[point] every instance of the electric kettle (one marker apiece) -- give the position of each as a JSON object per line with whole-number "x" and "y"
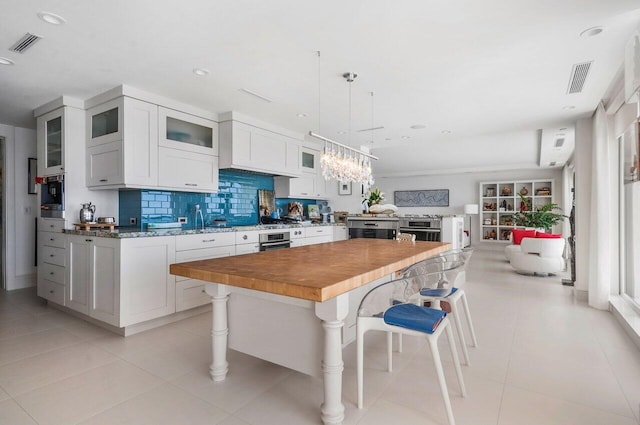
{"x": 87, "y": 213}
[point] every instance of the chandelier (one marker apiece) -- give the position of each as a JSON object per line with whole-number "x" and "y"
{"x": 341, "y": 162}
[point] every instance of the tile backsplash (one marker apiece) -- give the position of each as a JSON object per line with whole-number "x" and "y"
{"x": 236, "y": 201}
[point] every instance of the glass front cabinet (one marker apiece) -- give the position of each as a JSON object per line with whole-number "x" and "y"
{"x": 179, "y": 130}
{"x": 51, "y": 128}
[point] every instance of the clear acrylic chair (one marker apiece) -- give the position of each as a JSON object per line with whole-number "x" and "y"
{"x": 396, "y": 307}
{"x": 453, "y": 297}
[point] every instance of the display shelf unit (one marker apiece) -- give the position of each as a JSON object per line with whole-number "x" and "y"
{"x": 500, "y": 200}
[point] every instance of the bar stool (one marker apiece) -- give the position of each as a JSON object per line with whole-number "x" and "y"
{"x": 396, "y": 307}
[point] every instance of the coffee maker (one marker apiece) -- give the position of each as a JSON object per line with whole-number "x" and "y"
{"x": 52, "y": 196}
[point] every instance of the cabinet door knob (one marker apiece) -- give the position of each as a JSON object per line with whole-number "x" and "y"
{"x": 245, "y": 237}
{"x": 51, "y": 239}
{"x": 51, "y": 291}
{"x": 88, "y": 240}
{"x": 51, "y": 273}
{"x": 51, "y": 255}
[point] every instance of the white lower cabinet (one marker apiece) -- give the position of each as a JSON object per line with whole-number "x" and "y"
{"x": 190, "y": 292}
{"x": 147, "y": 289}
{"x": 318, "y": 234}
{"x": 340, "y": 233}
{"x": 120, "y": 281}
{"x": 92, "y": 277}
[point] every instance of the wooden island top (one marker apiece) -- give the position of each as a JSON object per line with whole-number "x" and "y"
{"x": 313, "y": 272}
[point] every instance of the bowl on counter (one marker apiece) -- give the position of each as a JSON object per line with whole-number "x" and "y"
{"x": 106, "y": 220}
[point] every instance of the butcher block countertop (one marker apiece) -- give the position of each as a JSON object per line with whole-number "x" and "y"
{"x": 313, "y": 272}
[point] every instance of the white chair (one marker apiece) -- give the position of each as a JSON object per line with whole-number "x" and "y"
{"x": 395, "y": 307}
{"x": 452, "y": 298}
{"x": 539, "y": 256}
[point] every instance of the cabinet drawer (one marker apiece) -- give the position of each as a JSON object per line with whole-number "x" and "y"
{"x": 250, "y": 236}
{"x": 53, "y": 255}
{"x": 204, "y": 240}
{"x": 190, "y": 293}
{"x": 52, "y": 291}
{"x": 51, "y": 239}
{"x": 318, "y": 231}
{"x": 247, "y": 248}
{"x": 203, "y": 254}
{"x": 50, "y": 225}
{"x": 318, "y": 239}
{"x": 52, "y": 272}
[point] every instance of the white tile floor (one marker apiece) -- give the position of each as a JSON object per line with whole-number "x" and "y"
{"x": 543, "y": 358}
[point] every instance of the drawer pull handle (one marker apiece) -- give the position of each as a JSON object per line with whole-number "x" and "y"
{"x": 51, "y": 255}
{"x": 51, "y": 225}
{"x": 191, "y": 184}
{"x": 203, "y": 291}
{"x": 208, "y": 240}
{"x": 51, "y": 291}
{"x": 104, "y": 180}
{"x": 88, "y": 240}
{"x": 52, "y": 239}
{"x": 51, "y": 273}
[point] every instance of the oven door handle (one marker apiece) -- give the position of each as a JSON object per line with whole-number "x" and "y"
{"x": 275, "y": 243}
{"x": 413, "y": 229}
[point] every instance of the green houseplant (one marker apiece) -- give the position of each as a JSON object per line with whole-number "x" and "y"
{"x": 375, "y": 197}
{"x": 540, "y": 218}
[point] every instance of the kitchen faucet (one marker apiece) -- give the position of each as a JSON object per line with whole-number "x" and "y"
{"x": 197, "y": 212}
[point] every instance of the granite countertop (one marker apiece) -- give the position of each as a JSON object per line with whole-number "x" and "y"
{"x": 129, "y": 232}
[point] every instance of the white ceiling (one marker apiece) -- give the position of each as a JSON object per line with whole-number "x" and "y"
{"x": 493, "y": 72}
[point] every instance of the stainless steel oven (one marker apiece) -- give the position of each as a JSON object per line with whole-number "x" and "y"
{"x": 372, "y": 227}
{"x": 425, "y": 228}
{"x": 272, "y": 241}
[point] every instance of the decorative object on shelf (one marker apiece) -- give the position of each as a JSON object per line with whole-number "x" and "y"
{"x": 506, "y": 191}
{"x": 341, "y": 162}
{"x": 344, "y": 188}
{"x": 509, "y": 207}
{"x": 524, "y": 191}
{"x": 544, "y": 191}
{"x": 32, "y": 167}
{"x": 487, "y": 221}
{"x": 374, "y": 197}
{"x": 421, "y": 198}
{"x": 489, "y": 206}
{"x": 490, "y": 192}
{"x": 540, "y": 218}
{"x": 383, "y": 209}
{"x": 492, "y": 234}
{"x": 313, "y": 211}
{"x": 524, "y": 204}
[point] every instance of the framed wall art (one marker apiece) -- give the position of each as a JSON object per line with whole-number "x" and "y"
{"x": 421, "y": 198}
{"x": 344, "y": 188}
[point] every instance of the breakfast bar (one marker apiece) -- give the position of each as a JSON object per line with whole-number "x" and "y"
{"x": 275, "y": 299}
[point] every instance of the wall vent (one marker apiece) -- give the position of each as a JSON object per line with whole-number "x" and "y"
{"x": 579, "y": 74}
{"x": 25, "y": 42}
{"x": 559, "y": 143}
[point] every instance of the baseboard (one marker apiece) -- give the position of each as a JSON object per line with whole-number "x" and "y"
{"x": 628, "y": 317}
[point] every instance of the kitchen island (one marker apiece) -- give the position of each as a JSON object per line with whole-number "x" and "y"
{"x": 276, "y": 298}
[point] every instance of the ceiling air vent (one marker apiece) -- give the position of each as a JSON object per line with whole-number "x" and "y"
{"x": 371, "y": 129}
{"x": 25, "y": 42}
{"x": 579, "y": 74}
{"x": 559, "y": 143}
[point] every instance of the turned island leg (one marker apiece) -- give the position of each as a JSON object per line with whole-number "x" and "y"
{"x": 219, "y": 331}
{"x": 332, "y": 313}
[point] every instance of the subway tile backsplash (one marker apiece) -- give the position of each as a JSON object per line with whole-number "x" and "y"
{"x": 236, "y": 201}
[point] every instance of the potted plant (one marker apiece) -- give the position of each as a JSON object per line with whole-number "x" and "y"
{"x": 540, "y": 218}
{"x": 375, "y": 197}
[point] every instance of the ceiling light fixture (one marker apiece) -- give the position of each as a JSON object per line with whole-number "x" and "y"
{"x": 341, "y": 162}
{"x": 52, "y": 18}
{"x": 418, "y": 126}
{"x": 6, "y": 61}
{"x": 200, "y": 72}
{"x": 590, "y": 32}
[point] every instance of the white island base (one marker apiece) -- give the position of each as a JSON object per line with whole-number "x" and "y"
{"x": 302, "y": 335}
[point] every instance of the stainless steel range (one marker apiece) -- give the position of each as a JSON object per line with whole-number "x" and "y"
{"x": 426, "y": 228}
{"x": 372, "y": 227}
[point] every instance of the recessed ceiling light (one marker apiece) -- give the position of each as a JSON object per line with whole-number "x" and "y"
{"x": 388, "y": 139}
{"x": 418, "y": 126}
{"x": 405, "y": 137}
{"x": 568, "y": 107}
{"x": 590, "y": 32}
{"x": 6, "y": 61}
{"x": 301, "y": 115}
{"x": 201, "y": 72}
{"x": 342, "y": 132}
{"x": 446, "y": 132}
{"x": 51, "y": 18}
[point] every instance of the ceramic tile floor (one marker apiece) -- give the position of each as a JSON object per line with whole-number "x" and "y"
{"x": 543, "y": 358}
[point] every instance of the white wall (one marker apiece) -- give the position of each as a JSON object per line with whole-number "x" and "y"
{"x": 584, "y": 143}
{"x": 20, "y": 208}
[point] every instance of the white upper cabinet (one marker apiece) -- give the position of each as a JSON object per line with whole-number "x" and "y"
{"x": 52, "y": 127}
{"x": 187, "y": 171}
{"x": 179, "y": 130}
{"x": 256, "y": 148}
{"x": 309, "y": 160}
{"x": 122, "y": 144}
{"x": 310, "y": 184}
{"x": 58, "y": 127}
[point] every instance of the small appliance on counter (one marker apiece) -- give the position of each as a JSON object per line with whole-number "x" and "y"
{"x": 87, "y": 213}
{"x": 106, "y": 220}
